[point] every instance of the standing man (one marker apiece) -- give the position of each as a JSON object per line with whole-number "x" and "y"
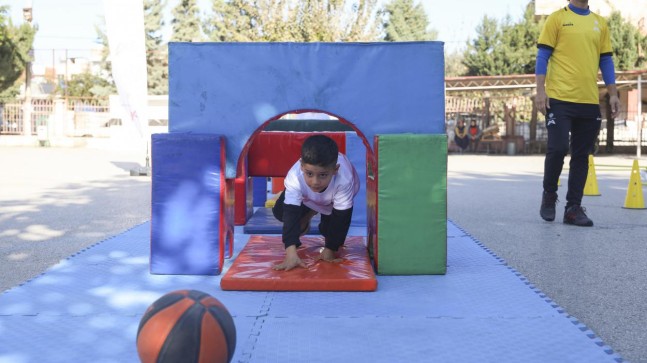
{"x": 573, "y": 45}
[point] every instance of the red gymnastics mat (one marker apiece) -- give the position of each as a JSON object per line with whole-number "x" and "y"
{"x": 252, "y": 269}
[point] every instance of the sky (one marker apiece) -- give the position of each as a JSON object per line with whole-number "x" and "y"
{"x": 70, "y": 24}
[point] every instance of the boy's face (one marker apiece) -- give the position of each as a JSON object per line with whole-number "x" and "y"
{"x": 318, "y": 177}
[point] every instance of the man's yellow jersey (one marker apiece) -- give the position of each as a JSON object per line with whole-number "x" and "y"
{"x": 577, "y": 42}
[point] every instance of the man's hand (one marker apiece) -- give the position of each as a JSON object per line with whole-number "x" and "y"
{"x": 541, "y": 100}
{"x": 614, "y": 103}
{"x": 291, "y": 260}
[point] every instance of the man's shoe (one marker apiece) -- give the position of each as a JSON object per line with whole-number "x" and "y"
{"x": 547, "y": 210}
{"x": 575, "y": 215}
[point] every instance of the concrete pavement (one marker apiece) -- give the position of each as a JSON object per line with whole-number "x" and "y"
{"x": 56, "y": 201}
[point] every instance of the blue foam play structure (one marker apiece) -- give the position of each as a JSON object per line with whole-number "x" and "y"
{"x": 186, "y": 204}
{"x": 356, "y": 153}
{"x": 233, "y": 89}
{"x": 259, "y": 187}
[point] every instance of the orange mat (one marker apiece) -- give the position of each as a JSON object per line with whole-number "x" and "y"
{"x": 252, "y": 269}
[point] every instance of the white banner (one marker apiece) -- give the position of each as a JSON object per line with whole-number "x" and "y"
{"x": 127, "y": 42}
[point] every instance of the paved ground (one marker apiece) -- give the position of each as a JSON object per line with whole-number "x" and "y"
{"x": 56, "y": 201}
{"x": 597, "y": 274}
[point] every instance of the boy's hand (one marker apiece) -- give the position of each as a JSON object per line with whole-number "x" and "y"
{"x": 291, "y": 260}
{"x": 328, "y": 255}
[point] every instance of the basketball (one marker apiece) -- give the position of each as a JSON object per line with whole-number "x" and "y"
{"x": 186, "y": 326}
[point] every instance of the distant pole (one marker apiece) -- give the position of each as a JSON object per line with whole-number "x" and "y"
{"x": 639, "y": 111}
{"x": 66, "y": 74}
{"x": 26, "y": 119}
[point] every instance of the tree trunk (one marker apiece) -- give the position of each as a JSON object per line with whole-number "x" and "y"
{"x": 533, "y": 121}
{"x": 487, "y": 117}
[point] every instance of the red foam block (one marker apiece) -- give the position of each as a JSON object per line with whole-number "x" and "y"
{"x": 252, "y": 269}
{"x": 272, "y": 153}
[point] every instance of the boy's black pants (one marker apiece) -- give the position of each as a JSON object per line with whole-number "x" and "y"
{"x": 333, "y": 227}
{"x": 582, "y": 122}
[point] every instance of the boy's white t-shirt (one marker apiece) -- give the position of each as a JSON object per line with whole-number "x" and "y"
{"x": 339, "y": 194}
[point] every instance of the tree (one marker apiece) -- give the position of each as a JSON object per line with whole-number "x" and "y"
{"x": 232, "y": 21}
{"x": 503, "y": 48}
{"x": 292, "y": 20}
{"x": 85, "y": 85}
{"x": 15, "y": 43}
{"x": 106, "y": 67}
{"x": 627, "y": 43}
{"x": 405, "y": 21}
{"x": 186, "y": 22}
{"x": 521, "y": 41}
{"x": 156, "y": 54}
{"x": 454, "y": 66}
{"x": 482, "y": 55}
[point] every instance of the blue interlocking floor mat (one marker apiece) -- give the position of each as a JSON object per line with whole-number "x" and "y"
{"x": 87, "y": 309}
{"x": 263, "y": 221}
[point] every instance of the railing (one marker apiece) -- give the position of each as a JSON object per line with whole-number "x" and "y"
{"x": 70, "y": 117}
{"x": 11, "y": 118}
{"x": 78, "y": 117}
{"x": 517, "y": 112}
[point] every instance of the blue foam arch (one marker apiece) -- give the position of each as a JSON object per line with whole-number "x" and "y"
{"x": 356, "y": 153}
{"x": 234, "y": 88}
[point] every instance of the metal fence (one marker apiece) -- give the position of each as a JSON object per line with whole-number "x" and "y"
{"x": 494, "y": 110}
{"x": 79, "y": 117}
{"x": 71, "y": 117}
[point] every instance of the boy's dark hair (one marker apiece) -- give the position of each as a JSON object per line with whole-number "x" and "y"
{"x": 319, "y": 150}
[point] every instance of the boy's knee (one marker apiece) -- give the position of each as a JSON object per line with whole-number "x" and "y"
{"x": 278, "y": 212}
{"x": 277, "y": 208}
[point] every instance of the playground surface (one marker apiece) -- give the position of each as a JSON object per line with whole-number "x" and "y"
{"x": 517, "y": 288}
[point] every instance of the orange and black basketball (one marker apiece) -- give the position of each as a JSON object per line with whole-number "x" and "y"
{"x": 186, "y": 326}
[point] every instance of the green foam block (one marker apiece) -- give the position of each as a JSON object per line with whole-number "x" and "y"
{"x": 412, "y": 204}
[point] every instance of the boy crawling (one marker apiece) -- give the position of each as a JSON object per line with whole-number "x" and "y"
{"x": 322, "y": 181}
